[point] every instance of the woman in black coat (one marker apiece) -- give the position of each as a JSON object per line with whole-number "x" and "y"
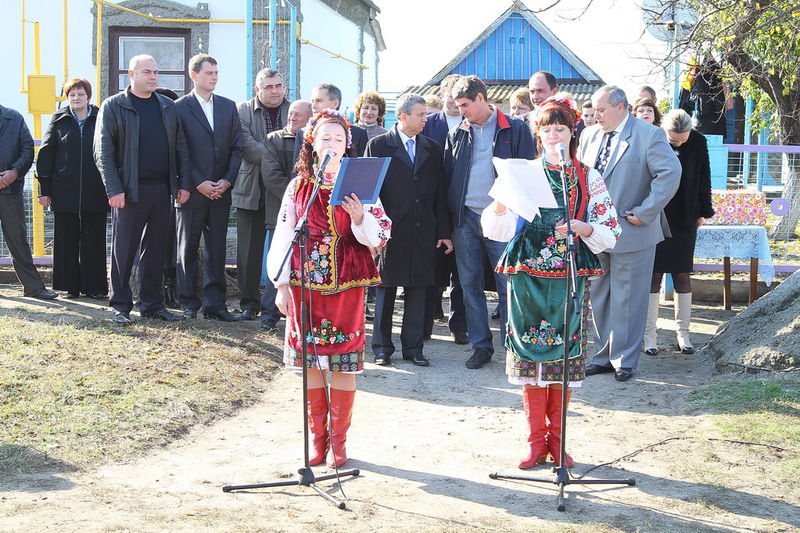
{"x": 686, "y": 212}
{"x": 71, "y": 186}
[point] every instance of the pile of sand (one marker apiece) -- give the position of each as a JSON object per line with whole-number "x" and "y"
{"x": 765, "y": 337}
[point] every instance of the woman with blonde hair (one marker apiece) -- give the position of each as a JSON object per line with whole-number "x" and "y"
{"x": 686, "y": 212}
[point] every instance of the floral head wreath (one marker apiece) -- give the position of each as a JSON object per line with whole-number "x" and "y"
{"x": 564, "y": 105}
{"x": 327, "y": 115}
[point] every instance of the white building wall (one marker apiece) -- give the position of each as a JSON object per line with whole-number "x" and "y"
{"x": 319, "y": 67}
{"x": 322, "y": 25}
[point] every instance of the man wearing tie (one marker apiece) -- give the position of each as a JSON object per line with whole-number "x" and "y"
{"x": 642, "y": 174}
{"x": 214, "y": 138}
{"x": 413, "y": 195}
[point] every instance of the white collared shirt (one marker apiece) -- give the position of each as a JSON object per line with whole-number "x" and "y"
{"x": 208, "y": 108}
{"x": 617, "y": 131}
{"x": 404, "y": 139}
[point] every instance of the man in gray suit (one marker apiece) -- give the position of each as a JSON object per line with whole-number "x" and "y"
{"x": 268, "y": 111}
{"x": 642, "y": 174}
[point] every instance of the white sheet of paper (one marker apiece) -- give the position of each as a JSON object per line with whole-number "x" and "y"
{"x": 522, "y": 186}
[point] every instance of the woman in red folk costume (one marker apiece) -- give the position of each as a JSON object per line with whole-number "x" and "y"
{"x": 338, "y": 268}
{"x": 534, "y": 261}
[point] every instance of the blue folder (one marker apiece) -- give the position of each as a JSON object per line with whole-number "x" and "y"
{"x": 362, "y": 176}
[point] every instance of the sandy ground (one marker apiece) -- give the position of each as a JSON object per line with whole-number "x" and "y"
{"x": 425, "y": 441}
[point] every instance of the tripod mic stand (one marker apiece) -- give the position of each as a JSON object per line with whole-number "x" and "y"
{"x": 562, "y": 477}
{"x": 307, "y": 476}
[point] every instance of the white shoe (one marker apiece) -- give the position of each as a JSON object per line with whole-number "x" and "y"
{"x": 683, "y": 316}
{"x": 650, "y": 329}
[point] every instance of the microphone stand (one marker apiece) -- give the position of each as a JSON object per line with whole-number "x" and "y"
{"x": 562, "y": 477}
{"x": 307, "y": 477}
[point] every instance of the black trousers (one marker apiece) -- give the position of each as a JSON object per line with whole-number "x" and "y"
{"x": 79, "y": 253}
{"x": 457, "y": 321}
{"x": 251, "y": 234}
{"x": 144, "y": 223}
{"x": 15, "y": 233}
{"x": 212, "y": 224}
{"x": 412, "y": 331}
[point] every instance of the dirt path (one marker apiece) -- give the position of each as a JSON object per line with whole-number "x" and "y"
{"x": 425, "y": 440}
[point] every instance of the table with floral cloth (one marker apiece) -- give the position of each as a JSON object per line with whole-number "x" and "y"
{"x": 739, "y": 242}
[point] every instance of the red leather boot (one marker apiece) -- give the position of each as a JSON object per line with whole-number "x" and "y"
{"x": 341, "y": 411}
{"x": 554, "y": 428}
{"x": 317, "y": 425}
{"x": 535, "y": 403}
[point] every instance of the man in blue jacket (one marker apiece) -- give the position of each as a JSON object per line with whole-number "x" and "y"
{"x": 485, "y": 133}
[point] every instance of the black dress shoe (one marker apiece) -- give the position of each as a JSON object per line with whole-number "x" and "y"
{"x": 42, "y": 294}
{"x": 97, "y": 296}
{"x": 369, "y": 315}
{"x": 190, "y": 313}
{"x": 460, "y": 337}
{"x": 623, "y": 374}
{"x": 248, "y": 314}
{"x": 496, "y": 313}
{"x": 270, "y": 323}
{"x": 121, "y": 319}
{"x": 223, "y": 315}
{"x": 593, "y": 370}
{"x": 480, "y": 357}
{"x": 72, "y": 295}
{"x": 382, "y": 359}
{"x": 420, "y": 360}
{"x": 164, "y": 315}
{"x": 651, "y": 351}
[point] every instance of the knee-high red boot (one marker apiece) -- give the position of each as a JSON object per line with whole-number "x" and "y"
{"x": 317, "y": 424}
{"x": 554, "y": 428}
{"x": 535, "y": 403}
{"x": 341, "y": 411}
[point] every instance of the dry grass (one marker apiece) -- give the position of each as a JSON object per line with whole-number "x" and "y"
{"x": 76, "y": 390}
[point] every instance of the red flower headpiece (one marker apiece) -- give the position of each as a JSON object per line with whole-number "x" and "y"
{"x": 327, "y": 115}
{"x": 564, "y": 105}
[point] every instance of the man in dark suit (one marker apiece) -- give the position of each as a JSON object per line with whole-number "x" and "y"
{"x": 437, "y": 127}
{"x": 140, "y": 151}
{"x": 214, "y": 139}
{"x": 16, "y": 157}
{"x": 263, "y": 114}
{"x": 413, "y": 196}
{"x": 329, "y": 96}
{"x": 642, "y": 173}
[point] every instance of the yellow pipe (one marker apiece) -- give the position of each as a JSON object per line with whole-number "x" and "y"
{"x": 24, "y": 78}
{"x": 202, "y": 21}
{"x": 66, "y": 42}
{"x": 334, "y": 55}
{"x": 38, "y": 210}
{"x": 99, "y": 53}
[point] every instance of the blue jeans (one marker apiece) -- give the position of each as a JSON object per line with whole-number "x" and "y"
{"x": 471, "y": 247}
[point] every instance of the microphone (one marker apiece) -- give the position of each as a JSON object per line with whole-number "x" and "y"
{"x": 326, "y": 158}
{"x": 562, "y": 153}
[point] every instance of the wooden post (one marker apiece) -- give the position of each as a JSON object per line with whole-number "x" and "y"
{"x": 753, "y": 279}
{"x": 726, "y": 283}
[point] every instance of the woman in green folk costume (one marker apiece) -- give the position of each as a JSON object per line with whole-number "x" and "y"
{"x": 534, "y": 261}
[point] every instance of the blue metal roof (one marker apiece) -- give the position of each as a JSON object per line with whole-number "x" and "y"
{"x": 514, "y": 51}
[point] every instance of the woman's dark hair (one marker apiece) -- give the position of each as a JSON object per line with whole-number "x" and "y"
{"x": 305, "y": 161}
{"x": 551, "y": 115}
{"x": 649, "y": 102}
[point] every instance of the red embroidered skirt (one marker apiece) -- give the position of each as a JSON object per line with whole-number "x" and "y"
{"x": 335, "y": 331}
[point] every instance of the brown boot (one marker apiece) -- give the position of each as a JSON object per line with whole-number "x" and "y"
{"x": 341, "y": 411}
{"x": 317, "y": 425}
{"x": 554, "y": 428}
{"x": 535, "y": 403}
